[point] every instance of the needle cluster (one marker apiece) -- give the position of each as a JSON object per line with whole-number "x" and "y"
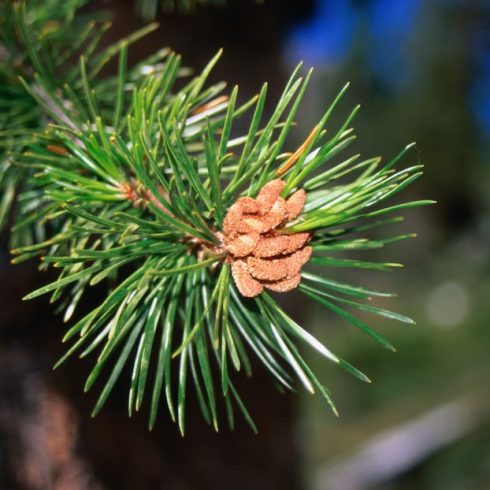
{"x": 141, "y": 183}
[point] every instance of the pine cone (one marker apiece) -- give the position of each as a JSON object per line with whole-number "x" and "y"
{"x": 259, "y": 254}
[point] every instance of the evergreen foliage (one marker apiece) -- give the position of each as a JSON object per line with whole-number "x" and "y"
{"x": 130, "y": 178}
{"x": 40, "y": 44}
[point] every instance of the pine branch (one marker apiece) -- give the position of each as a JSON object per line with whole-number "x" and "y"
{"x": 192, "y": 224}
{"x": 38, "y": 42}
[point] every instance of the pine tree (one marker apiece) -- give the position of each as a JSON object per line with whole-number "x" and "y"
{"x": 140, "y": 181}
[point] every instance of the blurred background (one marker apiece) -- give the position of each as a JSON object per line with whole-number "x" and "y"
{"x": 421, "y": 71}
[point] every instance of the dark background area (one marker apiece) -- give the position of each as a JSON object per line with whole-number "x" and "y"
{"x": 421, "y": 71}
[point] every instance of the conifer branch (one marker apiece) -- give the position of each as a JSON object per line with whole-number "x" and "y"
{"x": 140, "y": 181}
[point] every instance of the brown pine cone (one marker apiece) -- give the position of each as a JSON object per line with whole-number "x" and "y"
{"x": 260, "y": 255}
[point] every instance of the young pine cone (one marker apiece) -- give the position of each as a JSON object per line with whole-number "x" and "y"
{"x": 259, "y": 254}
